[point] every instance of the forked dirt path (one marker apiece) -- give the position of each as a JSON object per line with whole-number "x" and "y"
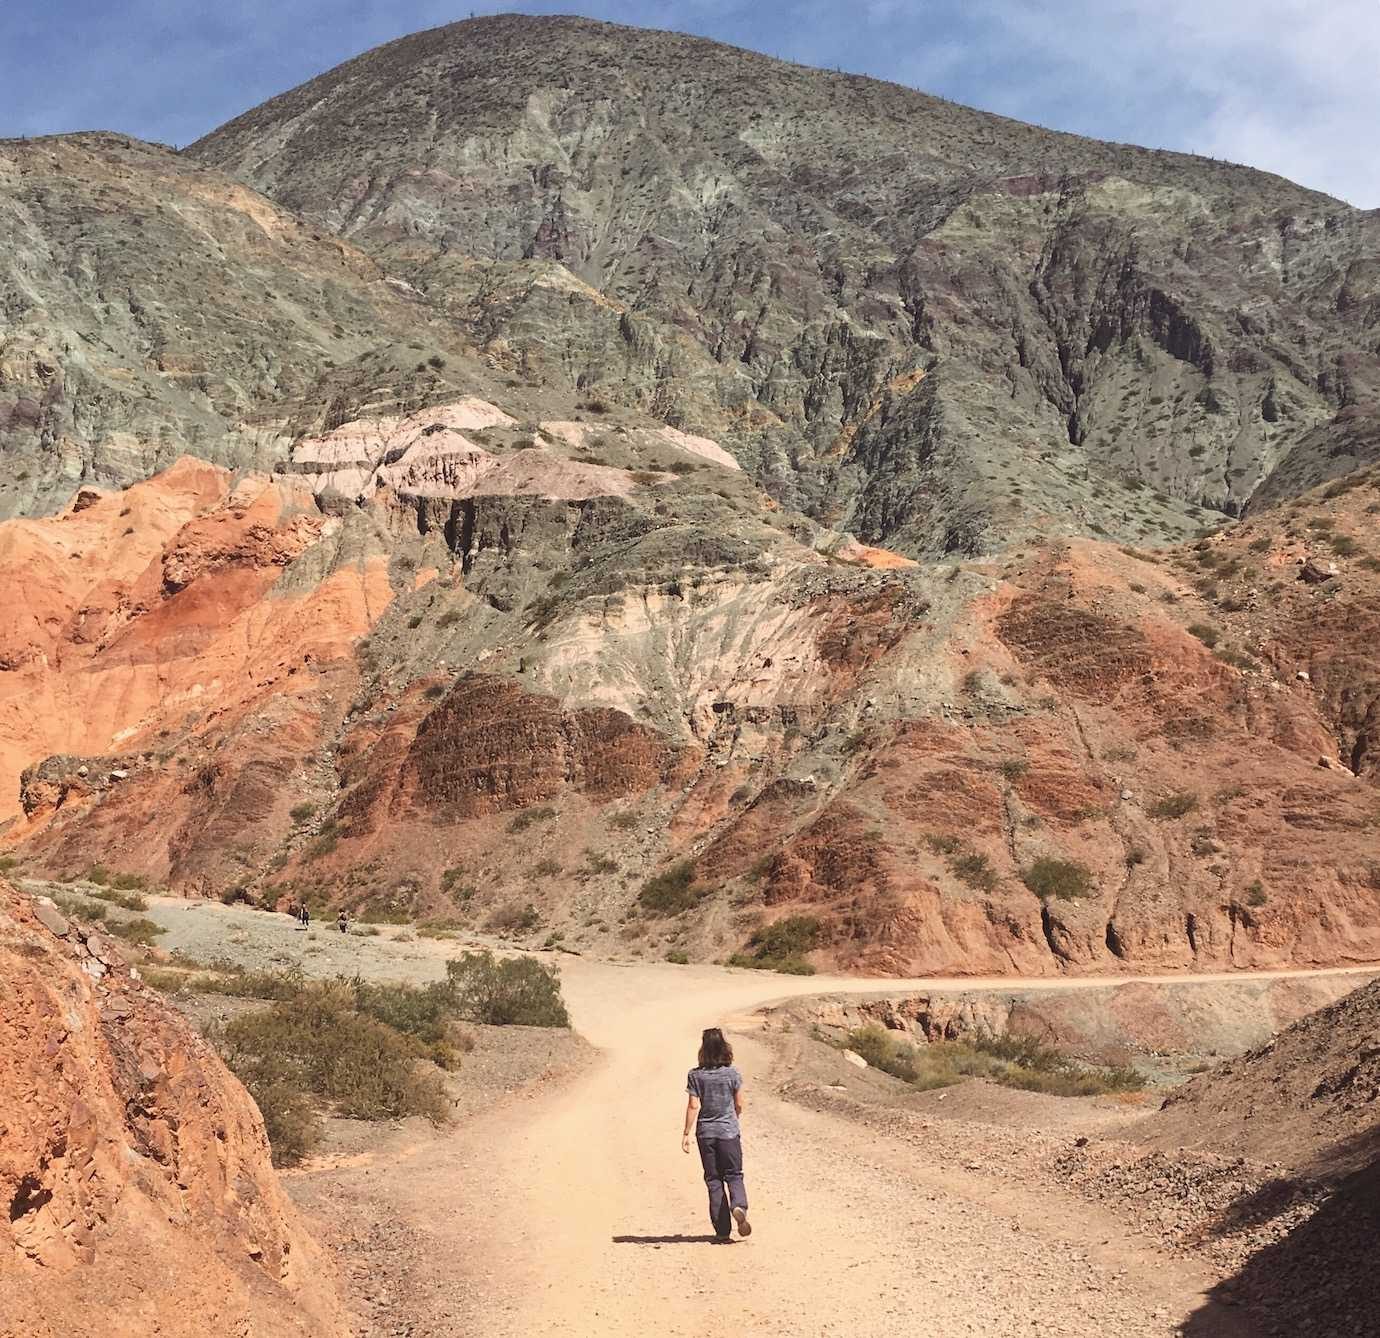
{"x": 571, "y": 1210}
{"x": 578, "y": 1214}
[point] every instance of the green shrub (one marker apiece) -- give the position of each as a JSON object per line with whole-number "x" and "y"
{"x": 520, "y": 822}
{"x": 514, "y": 917}
{"x": 1236, "y": 658}
{"x": 82, "y": 908}
{"x": 678, "y": 957}
{"x": 1205, "y": 633}
{"x": 302, "y": 812}
{"x": 139, "y": 931}
{"x": 884, "y": 1050}
{"x": 509, "y": 991}
{"x": 317, "y": 1043}
{"x": 449, "y": 618}
{"x": 121, "y": 882}
{"x": 975, "y": 870}
{"x": 1064, "y": 879}
{"x": 289, "y": 1113}
{"x": 625, "y": 820}
{"x": 1255, "y": 894}
{"x": 325, "y": 843}
{"x": 672, "y": 892}
{"x": 228, "y": 978}
{"x": 781, "y": 946}
{"x": 545, "y": 868}
{"x": 1011, "y": 1061}
{"x": 129, "y": 901}
{"x": 440, "y": 927}
{"x": 1176, "y": 805}
{"x": 423, "y": 1013}
{"x": 965, "y": 864}
{"x": 1013, "y": 768}
{"x": 786, "y": 966}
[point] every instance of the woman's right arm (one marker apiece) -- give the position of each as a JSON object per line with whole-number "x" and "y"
{"x": 692, "y": 1109}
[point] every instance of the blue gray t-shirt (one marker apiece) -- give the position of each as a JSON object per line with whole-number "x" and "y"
{"x": 715, "y": 1088}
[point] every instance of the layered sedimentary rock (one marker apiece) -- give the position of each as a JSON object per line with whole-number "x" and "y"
{"x": 1078, "y": 757}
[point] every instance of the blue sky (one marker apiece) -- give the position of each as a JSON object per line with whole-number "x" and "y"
{"x": 1288, "y": 85}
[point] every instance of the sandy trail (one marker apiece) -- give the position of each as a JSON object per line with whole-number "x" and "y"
{"x": 574, "y": 1211}
{"x": 590, "y": 1220}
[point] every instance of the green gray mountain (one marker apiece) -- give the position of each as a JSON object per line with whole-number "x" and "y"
{"x": 930, "y": 325}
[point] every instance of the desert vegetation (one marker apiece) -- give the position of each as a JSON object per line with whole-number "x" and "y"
{"x": 1011, "y": 1061}
{"x": 781, "y": 946}
{"x": 358, "y": 1048}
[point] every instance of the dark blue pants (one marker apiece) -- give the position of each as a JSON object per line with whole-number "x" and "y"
{"x": 722, "y": 1159}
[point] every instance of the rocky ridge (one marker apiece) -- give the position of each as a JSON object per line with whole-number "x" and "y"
{"x": 135, "y": 1168}
{"x": 933, "y": 326}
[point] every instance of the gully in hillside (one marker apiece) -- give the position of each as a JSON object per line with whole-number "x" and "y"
{"x": 715, "y": 1101}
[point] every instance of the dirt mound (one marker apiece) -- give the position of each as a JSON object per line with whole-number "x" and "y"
{"x": 134, "y": 1167}
{"x": 1308, "y": 1100}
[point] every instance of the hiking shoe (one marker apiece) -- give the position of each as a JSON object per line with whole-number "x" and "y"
{"x": 744, "y": 1226}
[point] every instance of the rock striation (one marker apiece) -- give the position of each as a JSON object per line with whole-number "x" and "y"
{"x": 1079, "y": 757}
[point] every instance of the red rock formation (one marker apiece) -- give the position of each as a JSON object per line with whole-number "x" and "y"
{"x": 891, "y": 752}
{"x": 134, "y": 1166}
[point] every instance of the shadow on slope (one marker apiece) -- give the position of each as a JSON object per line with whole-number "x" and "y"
{"x": 1323, "y": 1277}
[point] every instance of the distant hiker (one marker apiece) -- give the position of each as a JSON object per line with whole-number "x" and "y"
{"x": 343, "y": 923}
{"x": 715, "y": 1101}
{"x": 305, "y": 917}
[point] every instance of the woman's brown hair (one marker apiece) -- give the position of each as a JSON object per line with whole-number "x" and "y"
{"x": 715, "y": 1051}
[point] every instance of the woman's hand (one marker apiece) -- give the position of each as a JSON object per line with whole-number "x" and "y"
{"x": 685, "y": 1143}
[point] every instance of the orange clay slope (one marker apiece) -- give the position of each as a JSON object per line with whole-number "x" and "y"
{"x": 137, "y": 616}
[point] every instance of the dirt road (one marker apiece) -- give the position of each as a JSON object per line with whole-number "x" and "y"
{"x": 576, "y": 1213}
{"x": 598, "y": 1222}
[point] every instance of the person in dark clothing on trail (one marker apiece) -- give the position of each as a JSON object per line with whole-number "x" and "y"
{"x": 714, "y": 1103}
{"x": 342, "y": 923}
{"x": 306, "y": 917}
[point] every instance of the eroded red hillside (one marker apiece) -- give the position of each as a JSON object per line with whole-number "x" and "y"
{"x": 134, "y": 1166}
{"x": 422, "y": 705}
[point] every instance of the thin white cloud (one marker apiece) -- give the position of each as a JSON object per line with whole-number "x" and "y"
{"x": 1291, "y": 86}
{"x": 1286, "y": 85}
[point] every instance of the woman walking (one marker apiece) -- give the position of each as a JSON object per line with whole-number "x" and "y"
{"x": 715, "y": 1101}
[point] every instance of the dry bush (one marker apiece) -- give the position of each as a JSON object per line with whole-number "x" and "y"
{"x": 1064, "y": 879}
{"x": 506, "y": 991}
{"x": 1011, "y": 1061}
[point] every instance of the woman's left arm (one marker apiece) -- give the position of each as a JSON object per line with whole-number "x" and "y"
{"x": 692, "y": 1109}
